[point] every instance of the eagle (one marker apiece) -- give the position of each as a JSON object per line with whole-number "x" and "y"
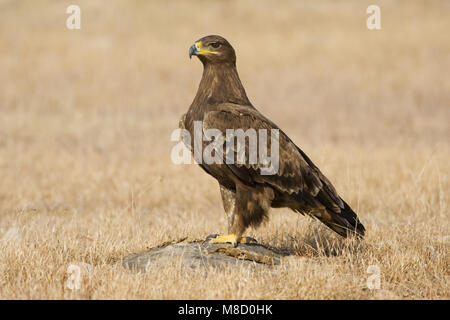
{"x": 221, "y": 103}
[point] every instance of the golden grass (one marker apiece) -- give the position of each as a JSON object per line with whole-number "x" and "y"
{"x": 85, "y": 125}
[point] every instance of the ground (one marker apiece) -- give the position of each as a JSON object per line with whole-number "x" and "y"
{"x": 85, "y": 125}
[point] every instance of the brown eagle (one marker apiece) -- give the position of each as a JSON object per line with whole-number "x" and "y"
{"x": 221, "y": 103}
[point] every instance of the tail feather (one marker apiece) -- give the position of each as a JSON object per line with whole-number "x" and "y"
{"x": 345, "y": 223}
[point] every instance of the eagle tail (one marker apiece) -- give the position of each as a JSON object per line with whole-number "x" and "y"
{"x": 345, "y": 223}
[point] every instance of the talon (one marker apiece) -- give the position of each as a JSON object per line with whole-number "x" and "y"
{"x": 211, "y": 236}
{"x": 229, "y": 238}
{"x": 247, "y": 240}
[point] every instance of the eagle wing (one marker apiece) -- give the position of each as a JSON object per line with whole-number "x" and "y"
{"x": 296, "y": 173}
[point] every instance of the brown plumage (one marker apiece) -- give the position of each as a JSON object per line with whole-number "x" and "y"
{"x": 221, "y": 103}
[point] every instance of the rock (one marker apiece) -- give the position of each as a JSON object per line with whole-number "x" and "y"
{"x": 198, "y": 255}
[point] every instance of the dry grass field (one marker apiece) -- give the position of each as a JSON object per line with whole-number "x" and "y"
{"x": 85, "y": 123}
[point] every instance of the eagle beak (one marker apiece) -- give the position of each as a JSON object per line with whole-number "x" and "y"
{"x": 193, "y": 50}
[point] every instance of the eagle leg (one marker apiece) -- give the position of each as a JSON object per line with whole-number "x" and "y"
{"x": 235, "y": 224}
{"x": 229, "y": 204}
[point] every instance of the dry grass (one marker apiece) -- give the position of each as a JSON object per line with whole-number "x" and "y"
{"x": 85, "y": 127}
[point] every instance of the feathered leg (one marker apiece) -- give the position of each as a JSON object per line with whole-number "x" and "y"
{"x": 236, "y": 225}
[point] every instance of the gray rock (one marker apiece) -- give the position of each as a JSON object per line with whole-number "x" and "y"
{"x": 203, "y": 255}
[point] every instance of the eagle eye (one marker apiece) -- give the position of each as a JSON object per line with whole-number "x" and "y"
{"x": 215, "y": 45}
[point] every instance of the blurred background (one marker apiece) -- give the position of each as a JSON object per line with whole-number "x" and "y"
{"x": 86, "y": 117}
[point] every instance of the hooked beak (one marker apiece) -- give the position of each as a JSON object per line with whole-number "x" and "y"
{"x": 193, "y": 50}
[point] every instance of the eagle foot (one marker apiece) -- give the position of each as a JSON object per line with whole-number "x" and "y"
{"x": 229, "y": 238}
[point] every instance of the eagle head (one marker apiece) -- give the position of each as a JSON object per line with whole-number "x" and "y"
{"x": 213, "y": 49}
